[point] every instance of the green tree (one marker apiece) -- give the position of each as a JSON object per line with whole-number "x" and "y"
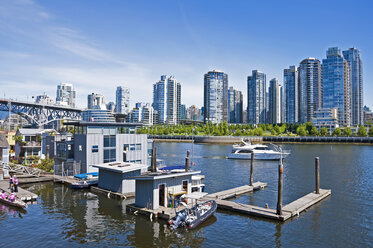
{"x": 314, "y": 132}
{"x": 347, "y": 131}
{"x": 362, "y": 132}
{"x": 277, "y": 129}
{"x": 337, "y": 132}
{"x": 301, "y": 131}
{"x": 258, "y": 131}
{"x": 324, "y": 131}
{"x": 370, "y": 132}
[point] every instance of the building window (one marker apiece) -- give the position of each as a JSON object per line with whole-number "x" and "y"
{"x": 185, "y": 185}
{"x": 138, "y": 161}
{"x": 109, "y": 155}
{"x": 80, "y": 148}
{"x": 138, "y": 147}
{"x": 109, "y": 141}
{"x": 126, "y": 147}
{"x": 132, "y": 147}
{"x": 94, "y": 148}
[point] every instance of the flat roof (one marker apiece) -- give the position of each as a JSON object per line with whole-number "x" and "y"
{"x": 121, "y": 167}
{"x": 162, "y": 175}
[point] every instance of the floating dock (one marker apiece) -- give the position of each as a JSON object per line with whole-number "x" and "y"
{"x": 112, "y": 194}
{"x": 288, "y": 211}
{"x": 169, "y": 213}
{"x": 22, "y": 194}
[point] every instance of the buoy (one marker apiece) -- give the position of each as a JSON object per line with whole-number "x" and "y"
{"x": 108, "y": 195}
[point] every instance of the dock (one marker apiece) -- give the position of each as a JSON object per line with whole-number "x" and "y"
{"x": 111, "y": 194}
{"x": 230, "y": 193}
{"x": 22, "y": 194}
{"x": 288, "y": 211}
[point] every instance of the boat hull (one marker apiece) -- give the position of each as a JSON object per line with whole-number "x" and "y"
{"x": 84, "y": 185}
{"x": 203, "y": 218}
{"x": 258, "y": 156}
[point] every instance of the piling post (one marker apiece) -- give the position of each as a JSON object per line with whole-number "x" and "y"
{"x": 252, "y": 169}
{"x": 317, "y": 175}
{"x": 279, "y": 193}
{"x": 154, "y": 158}
{"x": 187, "y": 161}
{"x": 47, "y": 151}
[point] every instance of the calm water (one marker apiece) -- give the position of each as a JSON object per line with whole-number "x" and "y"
{"x": 66, "y": 218}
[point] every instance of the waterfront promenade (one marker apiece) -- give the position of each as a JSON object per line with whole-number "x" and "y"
{"x": 280, "y": 139}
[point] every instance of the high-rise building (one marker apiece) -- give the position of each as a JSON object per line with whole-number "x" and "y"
{"x": 183, "y": 112}
{"x": 110, "y": 106}
{"x": 291, "y": 94}
{"x": 194, "y": 113}
{"x": 65, "y": 95}
{"x": 44, "y": 99}
{"x": 167, "y": 100}
{"x": 353, "y": 58}
{"x": 96, "y": 101}
{"x": 122, "y": 97}
{"x": 336, "y": 85}
{"x": 310, "y": 91}
{"x": 235, "y": 105}
{"x": 215, "y": 97}
{"x": 282, "y": 104}
{"x": 256, "y": 100}
{"x": 142, "y": 113}
{"x": 274, "y": 102}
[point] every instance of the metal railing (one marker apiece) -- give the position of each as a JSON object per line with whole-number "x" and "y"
{"x": 21, "y": 169}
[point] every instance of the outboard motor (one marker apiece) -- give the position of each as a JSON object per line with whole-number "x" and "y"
{"x": 179, "y": 219}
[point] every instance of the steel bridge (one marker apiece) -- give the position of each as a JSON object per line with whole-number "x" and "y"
{"x": 40, "y": 114}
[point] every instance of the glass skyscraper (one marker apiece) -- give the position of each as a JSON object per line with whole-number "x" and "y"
{"x": 291, "y": 94}
{"x": 353, "y": 58}
{"x": 256, "y": 101}
{"x": 235, "y": 105}
{"x": 66, "y": 95}
{"x": 310, "y": 91}
{"x": 336, "y": 85}
{"x": 167, "y": 100}
{"x": 122, "y": 97}
{"x": 215, "y": 98}
{"x": 274, "y": 102}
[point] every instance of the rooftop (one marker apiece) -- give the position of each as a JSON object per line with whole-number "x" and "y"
{"x": 121, "y": 167}
{"x": 98, "y": 124}
{"x": 162, "y": 175}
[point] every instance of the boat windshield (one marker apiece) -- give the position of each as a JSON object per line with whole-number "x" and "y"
{"x": 245, "y": 151}
{"x": 260, "y": 148}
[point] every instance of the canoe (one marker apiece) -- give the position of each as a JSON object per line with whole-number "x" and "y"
{"x": 16, "y": 203}
{"x": 193, "y": 217}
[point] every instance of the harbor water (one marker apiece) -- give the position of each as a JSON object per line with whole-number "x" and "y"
{"x": 78, "y": 218}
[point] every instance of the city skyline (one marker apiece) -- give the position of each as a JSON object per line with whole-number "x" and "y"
{"x": 65, "y": 48}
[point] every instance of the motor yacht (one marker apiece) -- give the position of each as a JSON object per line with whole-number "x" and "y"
{"x": 261, "y": 151}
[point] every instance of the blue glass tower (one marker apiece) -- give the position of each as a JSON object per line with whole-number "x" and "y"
{"x": 215, "y": 97}
{"x": 291, "y": 94}
{"x": 336, "y": 85}
{"x": 256, "y": 101}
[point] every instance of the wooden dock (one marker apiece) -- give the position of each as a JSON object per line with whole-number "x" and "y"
{"x": 112, "y": 194}
{"x": 22, "y": 194}
{"x": 236, "y": 191}
{"x": 290, "y": 210}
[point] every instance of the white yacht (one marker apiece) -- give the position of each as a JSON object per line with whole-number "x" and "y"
{"x": 261, "y": 152}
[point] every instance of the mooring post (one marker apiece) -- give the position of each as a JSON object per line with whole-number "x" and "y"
{"x": 279, "y": 193}
{"x": 154, "y": 158}
{"x": 317, "y": 174}
{"x": 252, "y": 169}
{"x": 187, "y": 161}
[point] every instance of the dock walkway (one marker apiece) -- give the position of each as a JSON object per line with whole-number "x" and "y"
{"x": 236, "y": 191}
{"x": 290, "y": 210}
{"x": 22, "y": 194}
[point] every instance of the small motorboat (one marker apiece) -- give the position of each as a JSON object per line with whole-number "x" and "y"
{"x": 193, "y": 217}
{"x": 86, "y": 180}
{"x": 16, "y": 203}
{"x": 261, "y": 152}
{"x": 84, "y": 184}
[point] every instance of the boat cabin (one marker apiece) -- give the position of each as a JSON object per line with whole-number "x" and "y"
{"x": 162, "y": 189}
{"x": 117, "y": 176}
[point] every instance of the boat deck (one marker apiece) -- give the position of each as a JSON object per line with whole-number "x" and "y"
{"x": 22, "y": 194}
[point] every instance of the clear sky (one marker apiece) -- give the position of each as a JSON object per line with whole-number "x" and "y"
{"x": 98, "y": 45}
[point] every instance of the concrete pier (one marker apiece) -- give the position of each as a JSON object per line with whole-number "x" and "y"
{"x": 22, "y": 194}
{"x": 235, "y": 191}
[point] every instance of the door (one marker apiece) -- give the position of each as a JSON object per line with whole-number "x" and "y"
{"x": 162, "y": 191}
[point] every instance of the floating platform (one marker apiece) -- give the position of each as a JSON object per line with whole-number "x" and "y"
{"x": 112, "y": 194}
{"x": 68, "y": 180}
{"x": 236, "y": 191}
{"x": 22, "y": 194}
{"x": 169, "y": 213}
{"x": 288, "y": 211}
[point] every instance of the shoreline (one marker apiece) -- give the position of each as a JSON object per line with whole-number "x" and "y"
{"x": 261, "y": 139}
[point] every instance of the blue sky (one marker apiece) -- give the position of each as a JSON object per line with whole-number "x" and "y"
{"x": 98, "y": 45}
